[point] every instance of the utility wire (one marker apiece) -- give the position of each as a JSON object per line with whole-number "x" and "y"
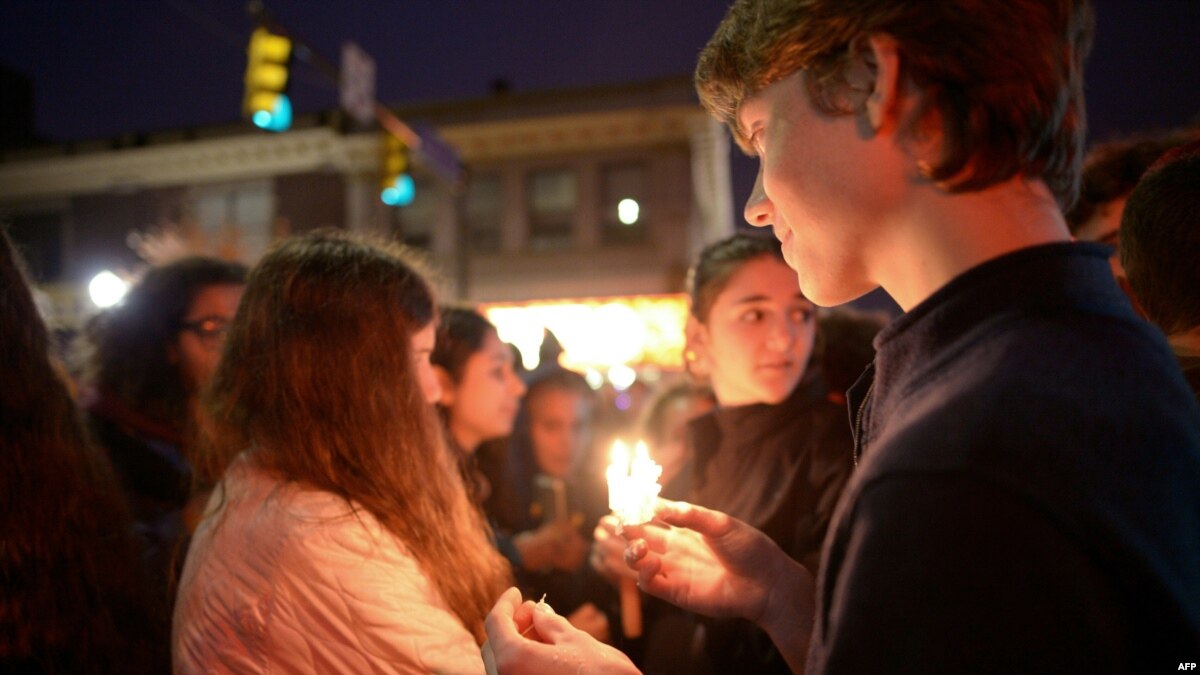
{"x": 208, "y": 23}
{"x": 237, "y": 40}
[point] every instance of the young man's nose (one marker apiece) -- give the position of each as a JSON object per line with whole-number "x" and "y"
{"x": 759, "y": 211}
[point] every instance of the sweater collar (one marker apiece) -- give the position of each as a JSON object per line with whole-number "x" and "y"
{"x": 1048, "y": 278}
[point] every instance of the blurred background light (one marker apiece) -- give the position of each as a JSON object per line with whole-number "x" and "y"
{"x": 622, "y": 377}
{"x": 627, "y": 211}
{"x": 594, "y": 379}
{"x": 106, "y": 289}
{"x": 597, "y": 333}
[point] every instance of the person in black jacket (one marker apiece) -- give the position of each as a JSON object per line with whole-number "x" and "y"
{"x": 776, "y": 452}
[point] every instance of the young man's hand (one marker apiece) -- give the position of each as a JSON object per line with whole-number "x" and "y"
{"x": 608, "y": 551}
{"x": 710, "y": 563}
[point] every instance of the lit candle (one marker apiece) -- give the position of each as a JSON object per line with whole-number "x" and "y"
{"x": 632, "y": 485}
{"x": 632, "y": 488}
{"x": 617, "y": 473}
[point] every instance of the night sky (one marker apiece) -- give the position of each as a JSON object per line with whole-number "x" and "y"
{"x": 107, "y": 67}
{"x": 104, "y": 67}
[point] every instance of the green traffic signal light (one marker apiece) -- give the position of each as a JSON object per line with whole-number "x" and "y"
{"x": 278, "y": 118}
{"x": 400, "y": 193}
{"x": 396, "y": 185}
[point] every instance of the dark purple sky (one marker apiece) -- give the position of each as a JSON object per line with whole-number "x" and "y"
{"x": 105, "y": 67}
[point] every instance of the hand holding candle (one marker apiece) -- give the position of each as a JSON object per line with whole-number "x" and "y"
{"x": 632, "y": 489}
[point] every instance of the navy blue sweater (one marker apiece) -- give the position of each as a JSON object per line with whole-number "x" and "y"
{"x": 1027, "y": 498}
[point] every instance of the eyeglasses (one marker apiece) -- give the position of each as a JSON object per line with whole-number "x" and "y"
{"x": 210, "y": 330}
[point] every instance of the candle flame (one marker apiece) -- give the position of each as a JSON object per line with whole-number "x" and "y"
{"x": 619, "y": 455}
{"x": 632, "y": 484}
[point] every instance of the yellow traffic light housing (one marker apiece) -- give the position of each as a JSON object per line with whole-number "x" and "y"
{"x": 396, "y": 187}
{"x": 266, "y": 102}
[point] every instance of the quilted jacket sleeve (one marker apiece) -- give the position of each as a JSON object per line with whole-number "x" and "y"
{"x": 350, "y": 598}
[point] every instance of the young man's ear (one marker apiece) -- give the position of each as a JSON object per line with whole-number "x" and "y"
{"x": 873, "y": 77}
{"x": 447, "y": 385}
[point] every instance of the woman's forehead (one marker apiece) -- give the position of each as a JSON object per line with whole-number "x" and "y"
{"x": 761, "y": 279}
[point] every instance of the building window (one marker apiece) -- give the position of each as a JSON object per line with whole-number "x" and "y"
{"x": 623, "y": 203}
{"x": 484, "y": 213}
{"x": 414, "y": 224}
{"x": 553, "y": 195}
{"x": 234, "y": 220}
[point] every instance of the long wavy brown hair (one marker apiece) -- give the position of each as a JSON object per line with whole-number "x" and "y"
{"x": 73, "y": 596}
{"x": 318, "y": 380}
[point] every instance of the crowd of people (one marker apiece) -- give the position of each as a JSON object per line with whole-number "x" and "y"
{"x": 318, "y": 465}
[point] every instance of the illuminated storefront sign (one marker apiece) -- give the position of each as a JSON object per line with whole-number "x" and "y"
{"x": 598, "y": 333}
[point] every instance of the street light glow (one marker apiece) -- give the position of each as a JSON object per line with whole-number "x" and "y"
{"x": 106, "y": 289}
{"x": 628, "y": 211}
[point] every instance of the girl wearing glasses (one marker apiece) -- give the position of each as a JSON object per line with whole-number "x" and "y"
{"x": 150, "y": 356}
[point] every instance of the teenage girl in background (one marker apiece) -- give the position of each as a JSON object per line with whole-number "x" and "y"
{"x": 775, "y": 453}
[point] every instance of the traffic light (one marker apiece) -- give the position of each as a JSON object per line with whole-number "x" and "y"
{"x": 396, "y": 185}
{"x": 266, "y": 103}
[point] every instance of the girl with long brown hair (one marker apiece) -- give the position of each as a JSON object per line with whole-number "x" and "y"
{"x": 339, "y": 537}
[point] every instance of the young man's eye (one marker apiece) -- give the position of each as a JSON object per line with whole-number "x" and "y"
{"x": 752, "y": 316}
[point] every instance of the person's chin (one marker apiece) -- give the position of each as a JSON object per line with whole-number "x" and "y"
{"x": 827, "y": 294}
{"x": 776, "y": 385}
{"x": 775, "y": 394}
